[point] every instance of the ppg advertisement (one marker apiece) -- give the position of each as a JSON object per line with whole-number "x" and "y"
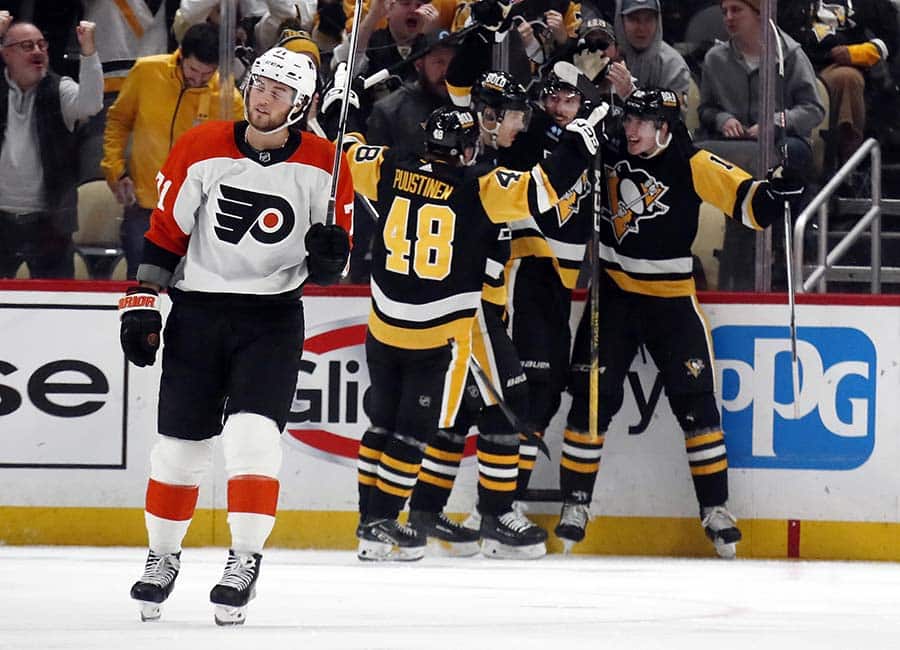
{"x": 830, "y": 425}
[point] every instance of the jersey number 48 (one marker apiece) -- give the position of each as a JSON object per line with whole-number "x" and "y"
{"x": 432, "y": 248}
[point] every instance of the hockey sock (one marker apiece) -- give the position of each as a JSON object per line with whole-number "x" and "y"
{"x": 370, "y": 449}
{"x": 527, "y": 458}
{"x": 398, "y": 468}
{"x": 440, "y": 465}
{"x": 498, "y": 471}
{"x": 168, "y": 512}
{"x": 709, "y": 467}
{"x": 252, "y": 501}
{"x": 579, "y": 463}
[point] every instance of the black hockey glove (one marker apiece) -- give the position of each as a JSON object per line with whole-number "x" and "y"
{"x": 328, "y": 248}
{"x": 141, "y": 324}
{"x": 785, "y": 185}
{"x": 490, "y": 13}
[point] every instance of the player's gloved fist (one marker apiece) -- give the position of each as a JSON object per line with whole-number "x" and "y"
{"x": 328, "y": 248}
{"x": 141, "y": 324}
{"x": 585, "y": 136}
{"x": 490, "y": 13}
{"x": 335, "y": 95}
{"x": 785, "y": 185}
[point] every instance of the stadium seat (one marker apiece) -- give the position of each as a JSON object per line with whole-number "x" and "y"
{"x": 97, "y": 239}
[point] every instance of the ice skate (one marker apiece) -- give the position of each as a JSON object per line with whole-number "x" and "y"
{"x": 235, "y": 588}
{"x": 444, "y": 533}
{"x": 720, "y": 528}
{"x": 573, "y": 519}
{"x": 473, "y": 521}
{"x": 157, "y": 582}
{"x": 512, "y": 536}
{"x": 388, "y": 540}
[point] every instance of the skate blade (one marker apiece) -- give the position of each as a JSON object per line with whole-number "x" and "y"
{"x": 380, "y": 552}
{"x": 442, "y": 548}
{"x": 495, "y": 550}
{"x": 150, "y": 611}
{"x": 568, "y": 544}
{"x": 226, "y": 615}
{"x": 727, "y": 551}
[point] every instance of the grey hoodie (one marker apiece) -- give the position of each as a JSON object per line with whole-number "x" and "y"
{"x": 659, "y": 66}
{"x": 730, "y": 88}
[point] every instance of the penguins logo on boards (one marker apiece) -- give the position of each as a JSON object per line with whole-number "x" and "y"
{"x": 634, "y": 196}
{"x": 268, "y": 218}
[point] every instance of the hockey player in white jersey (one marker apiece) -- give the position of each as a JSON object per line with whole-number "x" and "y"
{"x": 238, "y": 230}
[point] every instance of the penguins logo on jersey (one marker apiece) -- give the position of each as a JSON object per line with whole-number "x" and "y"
{"x": 634, "y": 195}
{"x": 568, "y": 204}
{"x": 269, "y": 219}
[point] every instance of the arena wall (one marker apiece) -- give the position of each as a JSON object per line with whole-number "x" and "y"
{"x": 816, "y": 481}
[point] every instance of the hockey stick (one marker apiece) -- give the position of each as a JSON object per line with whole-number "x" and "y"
{"x": 594, "y": 371}
{"x": 342, "y": 124}
{"x": 788, "y": 234}
{"x": 518, "y": 425}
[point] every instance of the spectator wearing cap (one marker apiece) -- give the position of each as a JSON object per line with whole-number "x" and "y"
{"x": 162, "y": 97}
{"x": 39, "y": 111}
{"x": 647, "y": 60}
{"x": 396, "y": 119}
{"x": 730, "y": 121}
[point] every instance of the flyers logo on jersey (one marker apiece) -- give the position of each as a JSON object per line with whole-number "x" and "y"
{"x": 634, "y": 195}
{"x": 268, "y": 218}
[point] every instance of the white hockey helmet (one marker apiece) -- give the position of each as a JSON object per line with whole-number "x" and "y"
{"x": 289, "y": 68}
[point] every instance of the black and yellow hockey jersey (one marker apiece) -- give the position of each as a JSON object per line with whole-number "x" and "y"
{"x": 437, "y": 225}
{"x": 560, "y": 233}
{"x": 652, "y": 209}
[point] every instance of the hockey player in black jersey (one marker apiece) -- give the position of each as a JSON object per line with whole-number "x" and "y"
{"x": 503, "y": 111}
{"x": 547, "y": 249}
{"x": 655, "y": 181}
{"x": 438, "y": 218}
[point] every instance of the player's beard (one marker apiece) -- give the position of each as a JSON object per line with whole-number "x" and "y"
{"x": 267, "y": 121}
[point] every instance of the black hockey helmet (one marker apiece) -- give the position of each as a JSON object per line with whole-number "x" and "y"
{"x": 657, "y": 104}
{"x": 499, "y": 91}
{"x": 553, "y": 83}
{"x": 450, "y": 131}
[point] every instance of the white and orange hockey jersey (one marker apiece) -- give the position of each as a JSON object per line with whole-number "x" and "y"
{"x": 231, "y": 219}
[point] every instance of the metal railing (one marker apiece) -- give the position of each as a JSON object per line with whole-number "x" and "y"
{"x": 872, "y": 218}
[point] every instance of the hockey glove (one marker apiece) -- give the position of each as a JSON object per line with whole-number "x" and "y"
{"x": 334, "y": 97}
{"x": 141, "y": 324}
{"x": 784, "y": 185}
{"x": 585, "y": 132}
{"x": 328, "y": 248}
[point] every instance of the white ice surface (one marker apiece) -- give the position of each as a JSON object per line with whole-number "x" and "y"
{"x": 65, "y": 597}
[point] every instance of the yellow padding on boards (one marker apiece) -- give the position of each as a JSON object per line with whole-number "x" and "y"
{"x": 329, "y": 529}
